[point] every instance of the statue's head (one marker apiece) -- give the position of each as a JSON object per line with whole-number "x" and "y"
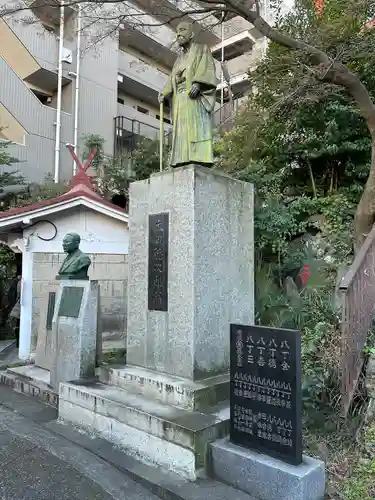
{"x": 71, "y": 242}
{"x": 185, "y": 33}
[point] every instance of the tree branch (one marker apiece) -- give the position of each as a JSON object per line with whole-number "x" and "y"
{"x": 274, "y": 35}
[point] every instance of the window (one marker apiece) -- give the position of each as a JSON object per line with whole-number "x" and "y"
{"x": 120, "y": 100}
{"x": 143, "y": 110}
{"x": 43, "y": 98}
{"x": 165, "y": 120}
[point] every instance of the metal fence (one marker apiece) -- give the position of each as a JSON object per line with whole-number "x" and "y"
{"x": 357, "y": 290}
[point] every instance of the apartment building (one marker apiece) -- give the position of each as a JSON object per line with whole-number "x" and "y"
{"x": 57, "y": 86}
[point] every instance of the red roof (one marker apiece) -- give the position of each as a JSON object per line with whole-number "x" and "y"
{"x": 81, "y": 186}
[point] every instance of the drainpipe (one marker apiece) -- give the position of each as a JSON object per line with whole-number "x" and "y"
{"x": 76, "y": 99}
{"x": 59, "y": 93}
{"x": 265, "y": 14}
{"x": 222, "y": 62}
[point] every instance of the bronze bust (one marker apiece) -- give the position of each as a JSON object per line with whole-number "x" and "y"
{"x": 76, "y": 263}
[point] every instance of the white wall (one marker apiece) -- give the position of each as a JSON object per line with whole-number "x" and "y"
{"x": 99, "y": 233}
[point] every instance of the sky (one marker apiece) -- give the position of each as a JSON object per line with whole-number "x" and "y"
{"x": 289, "y": 3}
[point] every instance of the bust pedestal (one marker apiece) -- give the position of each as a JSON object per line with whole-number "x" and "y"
{"x": 74, "y": 331}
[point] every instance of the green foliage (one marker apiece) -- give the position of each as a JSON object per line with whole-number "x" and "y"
{"x": 112, "y": 174}
{"x": 40, "y": 192}
{"x": 303, "y": 144}
{"x": 5, "y": 158}
{"x": 360, "y": 484}
{"x": 146, "y": 158}
{"x": 115, "y": 173}
{"x": 313, "y": 312}
{"x": 8, "y": 178}
{"x": 7, "y": 263}
{"x": 90, "y": 142}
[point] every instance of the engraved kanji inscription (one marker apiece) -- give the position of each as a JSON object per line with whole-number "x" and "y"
{"x": 158, "y": 235}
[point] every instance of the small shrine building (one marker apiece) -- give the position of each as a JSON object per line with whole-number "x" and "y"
{"x": 37, "y": 230}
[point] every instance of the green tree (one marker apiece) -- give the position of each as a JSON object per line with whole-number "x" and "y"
{"x": 114, "y": 174}
{"x": 9, "y": 178}
{"x": 146, "y": 158}
{"x": 316, "y": 58}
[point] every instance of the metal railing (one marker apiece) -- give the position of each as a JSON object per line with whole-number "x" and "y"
{"x": 357, "y": 290}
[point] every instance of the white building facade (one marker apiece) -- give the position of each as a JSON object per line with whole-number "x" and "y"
{"x": 60, "y": 82}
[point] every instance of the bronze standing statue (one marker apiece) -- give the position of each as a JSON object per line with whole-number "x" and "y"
{"x": 76, "y": 263}
{"x": 192, "y": 88}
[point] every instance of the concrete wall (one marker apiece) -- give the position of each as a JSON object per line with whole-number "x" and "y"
{"x": 98, "y": 96}
{"x": 112, "y": 273}
{"x": 37, "y": 155}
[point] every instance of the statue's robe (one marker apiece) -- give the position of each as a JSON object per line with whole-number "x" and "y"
{"x": 192, "y": 118}
{"x": 75, "y": 264}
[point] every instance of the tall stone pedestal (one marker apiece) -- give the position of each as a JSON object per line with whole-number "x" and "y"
{"x": 190, "y": 276}
{"x": 207, "y": 274}
{"x": 74, "y": 331}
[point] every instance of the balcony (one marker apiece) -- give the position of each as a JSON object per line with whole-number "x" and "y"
{"x": 145, "y": 34}
{"x": 234, "y": 46}
{"x": 34, "y": 59}
{"x": 10, "y": 128}
{"x": 140, "y": 79}
{"x": 238, "y": 84}
{"x": 131, "y": 126}
{"x": 152, "y": 48}
{"x": 170, "y": 12}
{"x": 48, "y": 11}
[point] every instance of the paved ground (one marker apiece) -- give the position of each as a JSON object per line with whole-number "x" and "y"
{"x": 37, "y": 464}
{"x": 43, "y": 459}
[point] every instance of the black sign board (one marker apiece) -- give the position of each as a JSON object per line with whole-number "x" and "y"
{"x": 70, "y": 303}
{"x": 158, "y": 234}
{"x": 50, "y": 309}
{"x": 265, "y": 391}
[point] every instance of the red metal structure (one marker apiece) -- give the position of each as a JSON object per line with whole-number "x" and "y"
{"x": 319, "y": 6}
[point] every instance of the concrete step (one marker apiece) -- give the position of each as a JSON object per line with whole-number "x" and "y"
{"x": 32, "y": 380}
{"x": 161, "y": 482}
{"x": 153, "y": 431}
{"x": 167, "y": 389}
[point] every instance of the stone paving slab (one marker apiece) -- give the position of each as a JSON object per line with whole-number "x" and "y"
{"x": 33, "y": 423}
{"x": 29, "y": 407}
{"x": 34, "y": 473}
{"x": 36, "y": 464}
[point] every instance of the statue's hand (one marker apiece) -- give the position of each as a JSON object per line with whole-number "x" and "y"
{"x": 194, "y": 91}
{"x": 161, "y": 98}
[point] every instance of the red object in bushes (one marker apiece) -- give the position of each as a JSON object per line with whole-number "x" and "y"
{"x": 304, "y": 274}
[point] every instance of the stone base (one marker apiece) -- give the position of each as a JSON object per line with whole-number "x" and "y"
{"x": 156, "y": 433}
{"x": 31, "y": 380}
{"x": 168, "y": 389}
{"x": 264, "y": 477}
{"x": 74, "y": 332}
